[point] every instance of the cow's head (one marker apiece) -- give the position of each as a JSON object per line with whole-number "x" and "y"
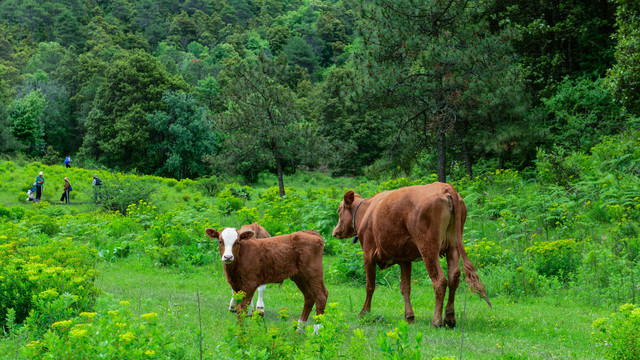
{"x": 228, "y": 241}
{"x": 344, "y": 229}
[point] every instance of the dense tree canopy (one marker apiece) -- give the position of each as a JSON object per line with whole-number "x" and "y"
{"x": 389, "y": 87}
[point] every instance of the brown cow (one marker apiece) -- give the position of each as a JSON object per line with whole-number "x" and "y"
{"x": 404, "y": 225}
{"x": 258, "y": 233}
{"x": 249, "y": 263}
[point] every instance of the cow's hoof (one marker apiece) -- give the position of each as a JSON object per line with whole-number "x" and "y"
{"x": 410, "y": 318}
{"x": 437, "y": 324}
{"x": 450, "y": 324}
{"x": 260, "y": 311}
{"x": 233, "y": 310}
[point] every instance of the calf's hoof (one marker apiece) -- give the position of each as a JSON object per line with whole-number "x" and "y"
{"x": 410, "y": 318}
{"x": 233, "y": 310}
{"x": 260, "y": 311}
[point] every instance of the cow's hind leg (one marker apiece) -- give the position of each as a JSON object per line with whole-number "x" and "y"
{"x": 454, "y": 280}
{"x": 370, "y": 272}
{"x": 405, "y": 288}
{"x": 432, "y": 263}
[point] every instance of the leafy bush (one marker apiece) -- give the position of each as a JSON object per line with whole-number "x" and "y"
{"x": 35, "y": 277}
{"x": 118, "y": 197}
{"x": 397, "y": 344}
{"x": 619, "y": 335}
{"x": 556, "y": 258}
{"x": 110, "y": 334}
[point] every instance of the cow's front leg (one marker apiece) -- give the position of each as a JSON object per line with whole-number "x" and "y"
{"x": 370, "y": 272}
{"x": 405, "y": 288}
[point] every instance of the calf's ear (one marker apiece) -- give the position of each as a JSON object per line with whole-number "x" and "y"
{"x": 348, "y": 197}
{"x": 246, "y": 235}
{"x": 212, "y": 233}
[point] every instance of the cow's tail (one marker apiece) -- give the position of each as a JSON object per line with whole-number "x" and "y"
{"x": 459, "y": 212}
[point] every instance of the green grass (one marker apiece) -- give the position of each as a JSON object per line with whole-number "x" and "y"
{"x": 532, "y": 328}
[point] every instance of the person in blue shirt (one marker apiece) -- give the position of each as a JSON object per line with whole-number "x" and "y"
{"x": 67, "y": 161}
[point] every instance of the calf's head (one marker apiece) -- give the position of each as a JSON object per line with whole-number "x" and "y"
{"x": 228, "y": 242}
{"x": 345, "y": 229}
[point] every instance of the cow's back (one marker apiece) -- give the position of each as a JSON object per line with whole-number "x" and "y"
{"x": 258, "y": 231}
{"x": 284, "y": 255}
{"x": 395, "y": 219}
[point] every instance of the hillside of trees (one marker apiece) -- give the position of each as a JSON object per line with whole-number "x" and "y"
{"x": 190, "y": 88}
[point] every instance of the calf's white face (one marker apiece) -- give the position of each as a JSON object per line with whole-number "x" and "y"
{"x": 228, "y": 241}
{"x": 228, "y": 238}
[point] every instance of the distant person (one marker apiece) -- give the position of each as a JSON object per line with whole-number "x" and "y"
{"x": 65, "y": 191}
{"x": 31, "y": 194}
{"x": 39, "y": 186}
{"x": 97, "y": 187}
{"x": 67, "y": 161}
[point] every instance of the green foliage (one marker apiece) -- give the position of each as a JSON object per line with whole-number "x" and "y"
{"x": 556, "y": 258}
{"x": 26, "y": 121}
{"x": 622, "y": 77}
{"x": 112, "y": 334}
{"x": 40, "y": 282}
{"x": 300, "y": 53}
{"x": 120, "y": 196}
{"x": 117, "y": 127}
{"x": 261, "y": 122}
{"x": 182, "y": 137}
{"x": 619, "y": 335}
{"x": 396, "y": 344}
{"x": 546, "y": 27}
{"x": 581, "y": 112}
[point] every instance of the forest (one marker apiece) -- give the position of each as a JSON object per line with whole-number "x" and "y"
{"x": 218, "y": 113}
{"x": 191, "y": 88}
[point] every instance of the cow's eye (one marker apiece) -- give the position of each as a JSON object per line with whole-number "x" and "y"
{"x": 220, "y": 242}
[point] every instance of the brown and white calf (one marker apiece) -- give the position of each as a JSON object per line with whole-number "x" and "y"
{"x": 258, "y": 233}
{"x": 250, "y": 262}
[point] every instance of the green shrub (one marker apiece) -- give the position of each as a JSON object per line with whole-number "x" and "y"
{"x": 396, "y": 344}
{"x": 33, "y": 278}
{"x": 556, "y": 258}
{"x": 118, "y": 197}
{"x": 209, "y": 185}
{"x": 619, "y": 335}
{"x": 115, "y": 334}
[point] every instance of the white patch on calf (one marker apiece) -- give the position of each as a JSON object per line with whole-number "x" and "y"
{"x": 260, "y": 303}
{"x": 229, "y": 237}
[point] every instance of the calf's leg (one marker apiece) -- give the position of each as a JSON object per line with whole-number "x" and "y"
{"x": 260, "y": 302}
{"x": 405, "y": 288}
{"x": 232, "y": 304}
{"x": 248, "y": 299}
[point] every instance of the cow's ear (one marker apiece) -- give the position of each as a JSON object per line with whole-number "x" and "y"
{"x": 348, "y": 197}
{"x": 212, "y": 233}
{"x": 246, "y": 235}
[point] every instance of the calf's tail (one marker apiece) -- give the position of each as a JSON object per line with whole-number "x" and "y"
{"x": 459, "y": 210}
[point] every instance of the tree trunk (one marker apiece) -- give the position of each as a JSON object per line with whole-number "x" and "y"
{"x": 280, "y": 176}
{"x": 467, "y": 159}
{"x": 442, "y": 154}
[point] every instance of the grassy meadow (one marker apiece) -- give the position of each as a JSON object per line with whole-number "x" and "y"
{"x": 558, "y": 255}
